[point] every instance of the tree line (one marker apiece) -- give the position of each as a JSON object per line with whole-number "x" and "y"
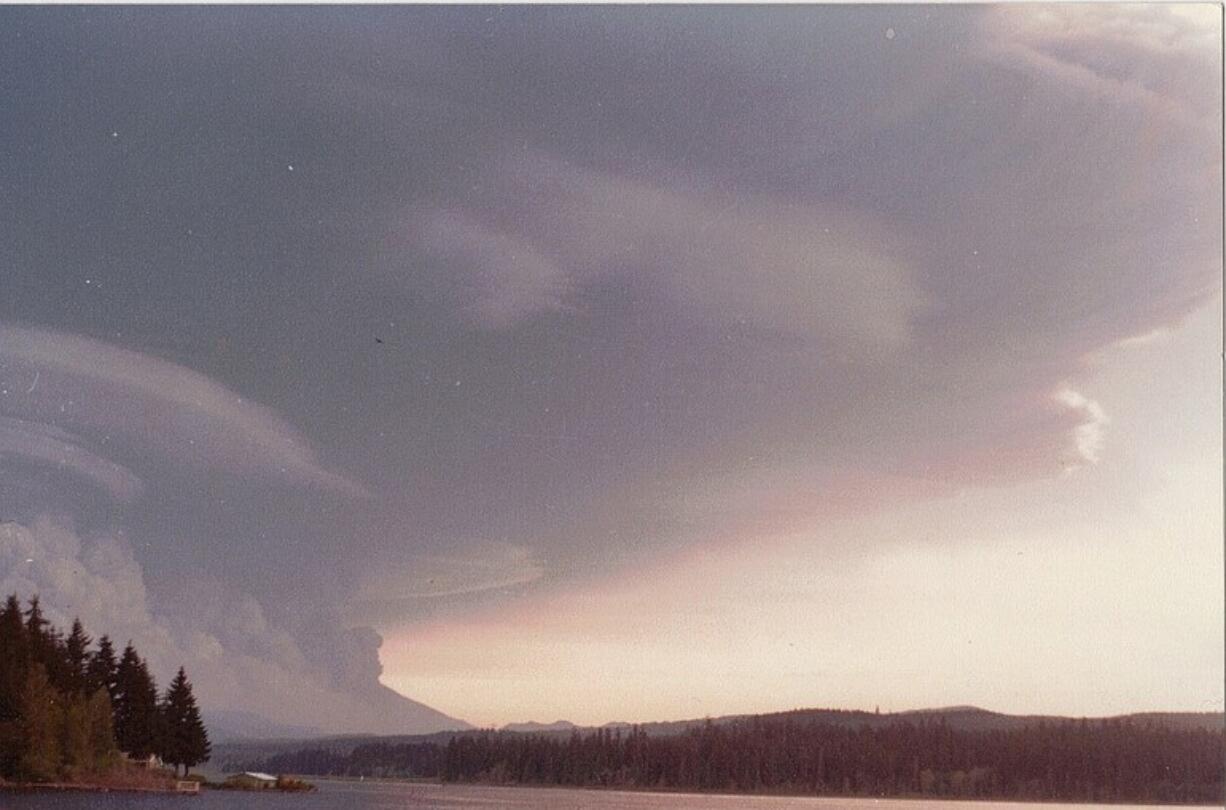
{"x": 69, "y": 709}
{"x": 1073, "y": 760}
{"x": 381, "y": 760}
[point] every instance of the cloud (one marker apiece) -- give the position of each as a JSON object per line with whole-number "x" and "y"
{"x": 945, "y": 256}
{"x": 1042, "y": 440}
{"x": 51, "y": 447}
{"x": 134, "y": 398}
{"x": 1134, "y": 54}
{"x": 703, "y": 272}
{"x": 555, "y": 229}
{"x": 1088, "y": 435}
{"x": 510, "y": 279}
{"x": 467, "y": 569}
{"x": 98, "y": 580}
{"x": 237, "y": 658}
{"x": 1153, "y": 336}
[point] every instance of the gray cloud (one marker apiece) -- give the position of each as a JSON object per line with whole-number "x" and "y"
{"x": 509, "y": 278}
{"x": 51, "y": 447}
{"x": 794, "y": 268}
{"x": 141, "y": 399}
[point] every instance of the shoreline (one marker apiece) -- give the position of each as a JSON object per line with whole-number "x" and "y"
{"x": 89, "y": 787}
{"x": 663, "y": 791}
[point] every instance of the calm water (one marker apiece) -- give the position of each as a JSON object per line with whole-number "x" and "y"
{"x": 390, "y": 796}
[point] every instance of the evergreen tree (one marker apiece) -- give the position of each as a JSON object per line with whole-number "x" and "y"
{"x": 36, "y": 623}
{"x": 101, "y": 671}
{"x": 185, "y": 741}
{"x": 76, "y": 649}
{"x": 101, "y": 730}
{"x": 136, "y": 706}
{"x": 87, "y": 740}
{"x": 57, "y": 715}
{"x": 37, "y": 634}
{"x": 75, "y": 740}
{"x": 45, "y": 645}
{"x": 13, "y": 655}
{"x": 41, "y": 713}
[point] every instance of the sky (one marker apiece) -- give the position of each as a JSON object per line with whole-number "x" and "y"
{"x": 619, "y": 363}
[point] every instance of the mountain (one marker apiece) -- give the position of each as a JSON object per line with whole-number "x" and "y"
{"x": 964, "y": 718}
{"x": 397, "y": 714}
{"x": 226, "y": 725}
{"x": 384, "y": 712}
{"x": 538, "y": 728}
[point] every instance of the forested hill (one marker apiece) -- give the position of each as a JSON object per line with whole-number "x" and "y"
{"x": 253, "y": 748}
{"x": 968, "y": 718}
{"x": 961, "y": 752}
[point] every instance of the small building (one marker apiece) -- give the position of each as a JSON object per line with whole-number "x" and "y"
{"x": 252, "y": 780}
{"x": 149, "y": 762}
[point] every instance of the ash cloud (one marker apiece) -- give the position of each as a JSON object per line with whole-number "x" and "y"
{"x": 558, "y": 228}
{"x": 589, "y": 283}
{"x": 238, "y": 659}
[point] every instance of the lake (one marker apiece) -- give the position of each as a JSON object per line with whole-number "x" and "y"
{"x": 393, "y": 796}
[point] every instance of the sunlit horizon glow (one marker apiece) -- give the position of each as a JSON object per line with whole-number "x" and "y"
{"x": 1022, "y": 614}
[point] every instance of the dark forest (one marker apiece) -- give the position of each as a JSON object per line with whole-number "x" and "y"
{"x": 1122, "y": 760}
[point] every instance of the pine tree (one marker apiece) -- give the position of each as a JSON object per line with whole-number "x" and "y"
{"x": 136, "y": 709}
{"x": 46, "y": 645}
{"x": 185, "y": 741}
{"x": 76, "y": 648}
{"x": 101, "y": 671}
{"x": 38, "y": 634}
{"x": 13, "y": 656}
{"x": 36, "y": 623}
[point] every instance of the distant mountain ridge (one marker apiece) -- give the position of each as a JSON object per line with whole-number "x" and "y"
{"x": 970, "y": 718}
{"x": 240, "y": 752}
{"x": 534, "y": 728}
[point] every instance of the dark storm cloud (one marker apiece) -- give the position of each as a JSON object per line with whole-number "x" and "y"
{"x": 561, "y": 287}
